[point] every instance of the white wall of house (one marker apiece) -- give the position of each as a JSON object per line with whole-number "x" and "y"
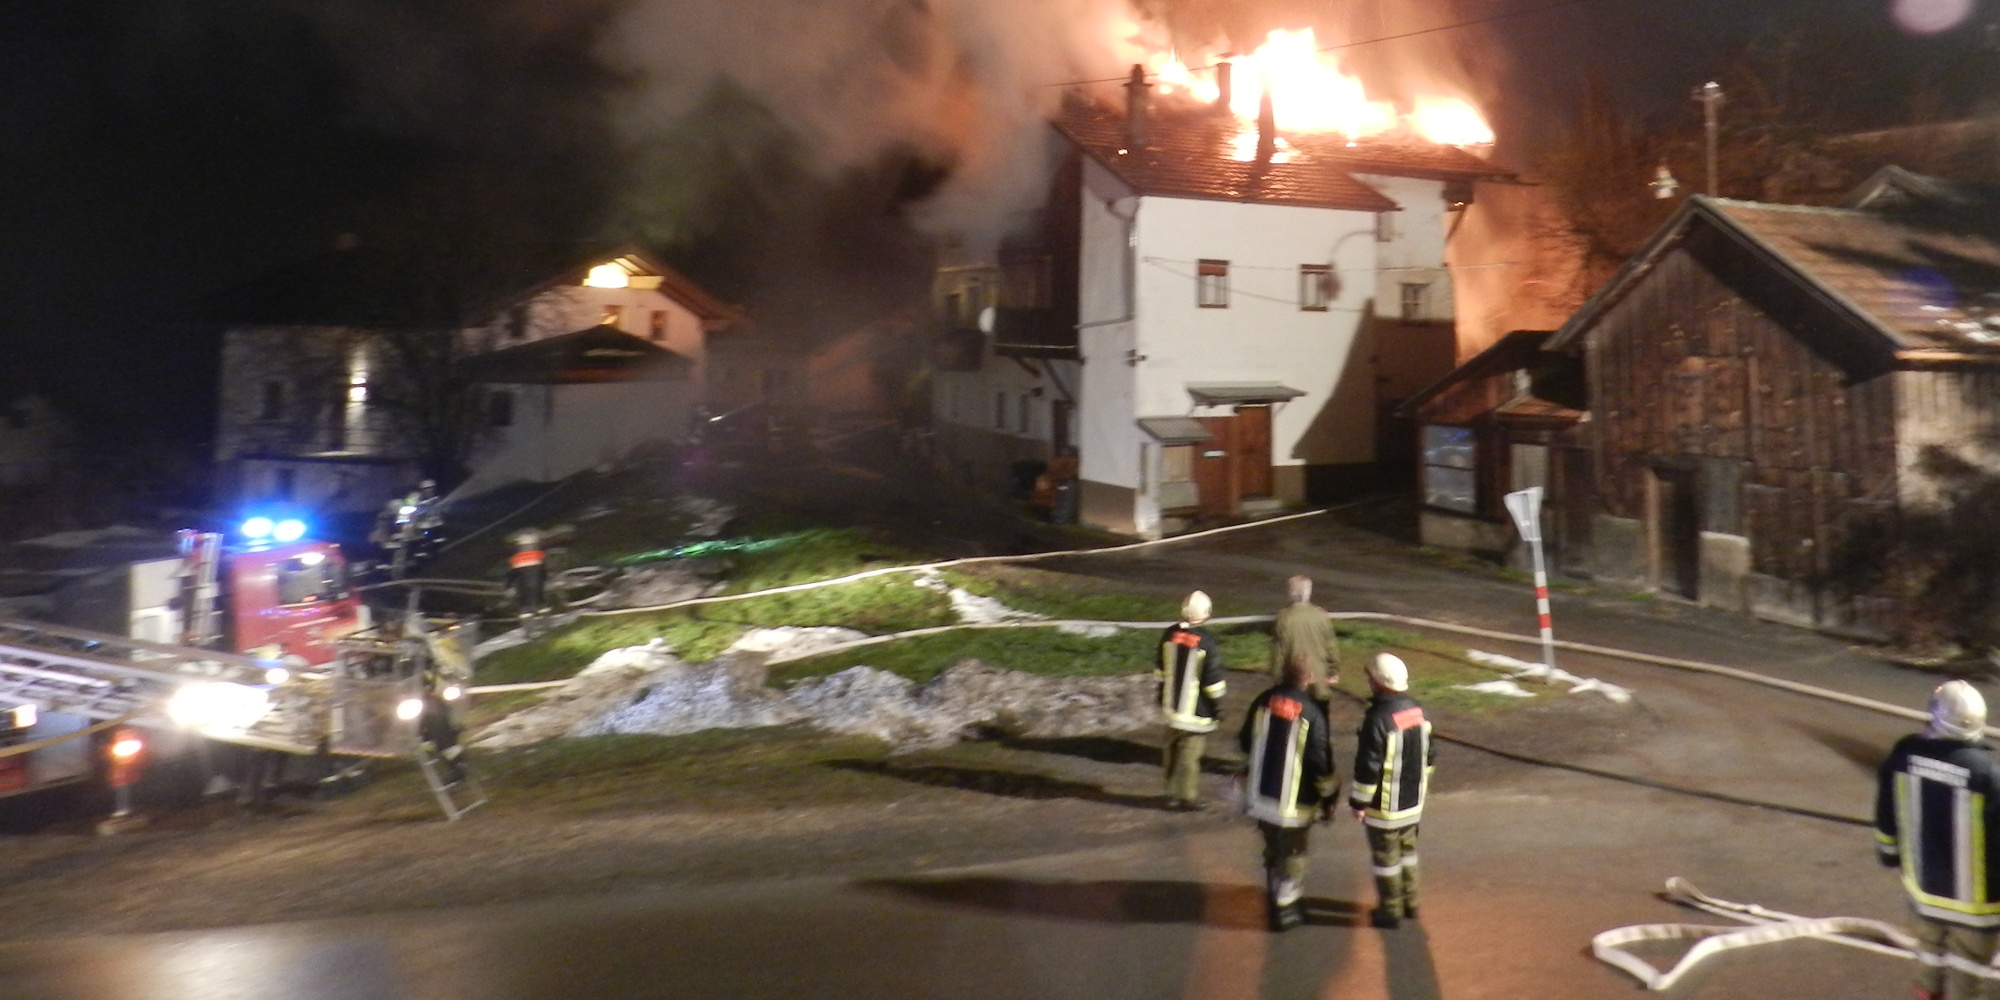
{"x": 1415, "y": 252}
{"x": 560, "y": 430}
{"x": 1107, "y": 442}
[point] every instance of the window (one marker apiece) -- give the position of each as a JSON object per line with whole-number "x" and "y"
{"x": 1021, "y": 418}
{"x": 1177, "y": 489}
{"x": 500, "y": 409}
{"x": 656, "y": 328}
{"x": 1413, "y": 300}
{"x": 1449, "y": 475}
{"x": 612, "y": 314}
{"x": 1211, "y": 290}
{"x": 271, "y": 405}
{"x": 1316, "y": 287}
{"x": 1385, "y": 227}
{"x": 303, "y": 582}
{"x": 999, "y": 411}
{"x": 517, "y": 323}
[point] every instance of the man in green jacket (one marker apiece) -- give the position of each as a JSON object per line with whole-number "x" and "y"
{"x": 1303, "y": 629}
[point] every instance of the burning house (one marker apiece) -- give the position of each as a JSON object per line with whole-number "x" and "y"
{"x": 348, "y": 376}
{"x": 1212, "y": 310}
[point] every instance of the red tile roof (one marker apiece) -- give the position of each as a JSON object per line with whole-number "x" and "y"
{"x": 1191, "y": 152}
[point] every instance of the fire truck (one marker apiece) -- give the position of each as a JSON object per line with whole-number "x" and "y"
{"x": 186, "y": 641}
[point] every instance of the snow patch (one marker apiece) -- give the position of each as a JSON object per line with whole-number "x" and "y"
{"x": 1504, "y": 687}
{"x": 1522, "y": 669}
{"x": 794, "y": 641}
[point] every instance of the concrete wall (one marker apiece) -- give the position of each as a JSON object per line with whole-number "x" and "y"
{"x": 1725, "y": 571}
{"x": 1445, "y": 529}
{"x": 1618, "y": 551}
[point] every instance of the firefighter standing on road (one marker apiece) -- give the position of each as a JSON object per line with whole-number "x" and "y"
{"x": 1303, "y": 628}
{"x": 1289, "y": 781}
{"x": 1393, "y": 760}
{"x": 1936, "y": 804}
{"x": 1191, "y": 687}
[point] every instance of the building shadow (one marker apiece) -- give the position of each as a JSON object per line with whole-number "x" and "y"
{"x": 1011, "y": 784}
{"x": 1114, "y": 901}
{"x": 1107, "y": 750}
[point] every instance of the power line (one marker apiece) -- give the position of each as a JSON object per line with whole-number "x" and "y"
{"x": 1455, "y": 25}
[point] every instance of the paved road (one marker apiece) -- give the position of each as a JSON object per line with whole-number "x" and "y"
{"x": 1521, "y": 870}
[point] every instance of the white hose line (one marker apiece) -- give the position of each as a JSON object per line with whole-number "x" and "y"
{"x": 949, "y": 563}
{"x": 1766, "y": 927}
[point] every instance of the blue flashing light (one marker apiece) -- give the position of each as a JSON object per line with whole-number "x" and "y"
{"x": 289, "y": 530}
{"x": 258, "y": 528}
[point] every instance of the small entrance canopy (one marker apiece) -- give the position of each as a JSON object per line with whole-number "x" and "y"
{"x": 1175, "y": 430}
{"x": 1240, "y": 393}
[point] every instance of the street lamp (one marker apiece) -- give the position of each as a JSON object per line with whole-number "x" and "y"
{"x": 1710, "y": 95}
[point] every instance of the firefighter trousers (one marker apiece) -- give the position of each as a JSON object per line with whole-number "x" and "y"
{"x": 1284, "y": 861}
{"x": 1395, "y": 855}
{"x": 1182, "y": 762}
{"x": 1974, "y": 944}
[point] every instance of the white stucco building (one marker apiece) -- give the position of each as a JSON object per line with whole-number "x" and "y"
{"x": 1215, "y": 321}
{"x": 576, "y": 365}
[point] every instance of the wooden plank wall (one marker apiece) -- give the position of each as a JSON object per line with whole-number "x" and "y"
{"x": 1685, "y": 373}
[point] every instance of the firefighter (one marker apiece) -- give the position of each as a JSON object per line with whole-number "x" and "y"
{"x": 1191, "y": 687}
{"x": 1288, "y": 782}
{"x": 1304, "y": 628}
{"x": 439, "y": 735}
{"x": 1393, "y": 760}
{"x": 525, "y": 570}
{"x": 1923, "y": 825}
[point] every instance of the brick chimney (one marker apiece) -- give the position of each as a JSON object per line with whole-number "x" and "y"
{"x": 1267, "y": 128}
{"x": 1222, "y": 73}
{"x": 1135, "y": 109}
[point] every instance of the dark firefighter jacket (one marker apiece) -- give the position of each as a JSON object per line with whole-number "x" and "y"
{"x": 1934, "y": 808}
{"x": 1393, "y": 759}
{"x": 1289, "y": 758}
{"x": 1191, "y": 680}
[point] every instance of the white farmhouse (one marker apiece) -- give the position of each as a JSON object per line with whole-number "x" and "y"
{"x": 1217, "y": 319}
{"x": 347, "y": 377}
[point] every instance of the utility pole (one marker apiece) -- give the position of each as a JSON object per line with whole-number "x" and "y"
{"x": 1710, "y": 95}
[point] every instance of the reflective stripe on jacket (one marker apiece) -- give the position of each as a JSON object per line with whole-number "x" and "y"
{"x": 1393, "y": 760}
{"x": 525, "y": 558}
{"x": 1191, "y": 679}
{"x": 1934, "y": 806}
{"x": 1288, "y": 756}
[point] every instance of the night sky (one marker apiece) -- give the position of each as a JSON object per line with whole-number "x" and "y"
{"x": 154, "y": 152}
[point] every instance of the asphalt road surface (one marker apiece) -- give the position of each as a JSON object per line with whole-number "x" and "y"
{"x": 1520, "y": 871}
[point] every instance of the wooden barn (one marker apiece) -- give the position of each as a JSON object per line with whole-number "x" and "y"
{"x": 1779, "y": 396}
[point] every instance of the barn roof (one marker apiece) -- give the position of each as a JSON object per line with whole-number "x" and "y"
{"x": 1197, "y": 152}
{"x": 1919, "y": 283}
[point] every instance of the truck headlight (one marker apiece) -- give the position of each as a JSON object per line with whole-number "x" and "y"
{"x": 217, "y": 706}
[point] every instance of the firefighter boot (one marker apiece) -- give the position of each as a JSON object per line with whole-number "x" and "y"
{"x": 1284, "y": 910}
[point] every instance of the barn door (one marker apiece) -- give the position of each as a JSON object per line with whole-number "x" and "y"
{"x": 1253, "y": 452}
{"x": 1214, "y": 479}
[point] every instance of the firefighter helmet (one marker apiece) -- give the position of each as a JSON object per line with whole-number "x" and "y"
{"x": 1389, "y": 672}
{"x": 1196, "y": 608}
{"x": 1958, "y": 711}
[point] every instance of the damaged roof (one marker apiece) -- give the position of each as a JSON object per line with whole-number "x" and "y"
{"x": 1921, "y": 279}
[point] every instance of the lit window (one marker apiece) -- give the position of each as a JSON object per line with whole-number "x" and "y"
{"x": 612, "y": 314}
{"x": 1413, "y": 300}
{"x": 1316, "y": 287}
{"x": 357, "y": 387}
{"x": 1449, "y": 476}
{"x": 1212, "y": 284}
{"x": 607, "y": 276}
{"x": 657, "y": 327}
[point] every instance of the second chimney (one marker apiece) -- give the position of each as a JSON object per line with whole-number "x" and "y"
{"x": 1135, "y": 109}
{"x": 1267, "y": 128}
{"x": 1222, "y": 73}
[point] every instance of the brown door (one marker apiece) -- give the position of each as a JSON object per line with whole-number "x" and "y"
{"x": 1214, "y": 479}
{"x": 1253, "y": 452}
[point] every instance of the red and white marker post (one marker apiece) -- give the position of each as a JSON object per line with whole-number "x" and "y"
{"x": 1526, "y": 506}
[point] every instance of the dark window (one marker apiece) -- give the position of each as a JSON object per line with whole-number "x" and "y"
{"x": 1413, "y": 300}
{"x": 999, "y": 411}
{"x": 500, "y": 409}
{"x": 1021, "y": 421}
{"x": 1211, "y": 290}
{"x": 517, "y": 322}
{"x": 303, "y": 583}
{"x": 657, "y": 328}
{"x": 271, "y": 405}
{"x": 1316, "y": 287}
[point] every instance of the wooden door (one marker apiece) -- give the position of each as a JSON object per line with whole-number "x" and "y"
{"x": 1252, "y": 452}
{"x": 1214, "y": 479}
{"x": 1676, "y": 532}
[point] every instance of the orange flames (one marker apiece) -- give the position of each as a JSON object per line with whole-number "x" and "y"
{"x": 1309, "y": 93}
